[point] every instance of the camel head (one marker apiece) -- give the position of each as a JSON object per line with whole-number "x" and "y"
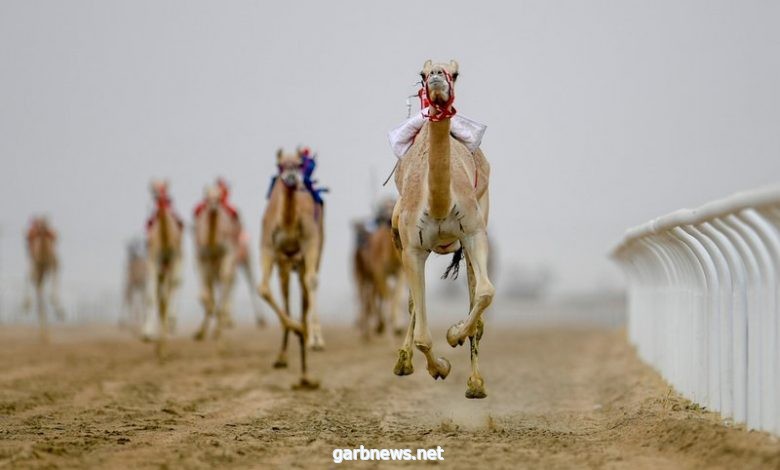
{"x": 290, "y": 167}
{"x": 439, "y": 82}
{"x": 212, "y": 195}
{"x": 159, "y": 190}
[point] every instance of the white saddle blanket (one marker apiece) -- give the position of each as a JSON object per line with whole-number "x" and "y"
{"x": 462, "y": 128}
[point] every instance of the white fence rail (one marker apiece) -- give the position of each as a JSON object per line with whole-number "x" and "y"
{"x": 704, "y": 303}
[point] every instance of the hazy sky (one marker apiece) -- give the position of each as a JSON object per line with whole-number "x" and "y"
{"x": 600, "y": 115}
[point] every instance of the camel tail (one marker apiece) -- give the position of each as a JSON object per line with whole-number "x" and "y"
{"x": 454, "y": 267}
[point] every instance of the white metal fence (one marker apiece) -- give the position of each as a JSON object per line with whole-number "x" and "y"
{"x": 704, "y": 303}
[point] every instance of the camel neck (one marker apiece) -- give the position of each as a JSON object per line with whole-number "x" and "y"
{"x": 288, "y": 206}
{"x": 439, "y": 169}
{"x": 212, "y": 234}
{"x": 162, "y": 219}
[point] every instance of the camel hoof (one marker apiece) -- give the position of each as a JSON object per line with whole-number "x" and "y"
{"x": 475, "y": 388}
{"x": 199, "y": 336}
{"x": 380, "y": 328}
{"x": 280, "y": 363}
{"x": 441, "y": 369}
{"x": 398, "y": 332}
{"x": 146, "y": 338}
{"x": 317, "y": 347}
{"x": 404, "y": 364}
{"x": 453, "y": 337}
{"x": 306, "y": 384}
{"x": 260, "y": 322}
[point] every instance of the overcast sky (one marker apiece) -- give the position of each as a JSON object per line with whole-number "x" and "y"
{"x": 600, "y": 114}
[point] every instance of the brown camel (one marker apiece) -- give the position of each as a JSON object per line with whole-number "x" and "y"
{"x": 378, "y": 273}
{"x": 292, "y": 240}
{"x": 164, "y": 230}
{"x": 44, "y": 268}
{"x": 443, "y": 208}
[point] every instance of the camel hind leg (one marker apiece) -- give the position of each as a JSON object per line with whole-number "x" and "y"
{"x": 41, "y": 308}
{"x": 404, "y": 364}
{"x": 163, "y": 297}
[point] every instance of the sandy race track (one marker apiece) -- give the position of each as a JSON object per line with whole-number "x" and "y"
{"x": 557, "y": 398}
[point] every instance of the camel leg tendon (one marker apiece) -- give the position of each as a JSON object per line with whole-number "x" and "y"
{"x": 284, "y": 284}
{"x": 414, "y": 266}
{"x": 476, "y": 248}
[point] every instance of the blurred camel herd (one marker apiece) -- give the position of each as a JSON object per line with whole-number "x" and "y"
{"x": 442, "y": 207}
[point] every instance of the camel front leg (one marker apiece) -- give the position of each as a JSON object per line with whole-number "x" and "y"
{"x": 284, "y": 284}
{"x": 315, "y": 339}
{"x": 476, "y": 247}
{"x": 163, "y": 302}
{"x": 173, "y": 293}
{"x": 414, "y": 266}
{"x": 224, "y": 304}
{"x": 206, "y": 299}
{"x": 54, "y": 294}
{"x": 27, "y": 301}
{"x": 267, "y": 266}
{"x": 475, "y": 387}
{"x": 41, "y": 308}
{"x": 148, "y": 324}
{"x": 308, "y": 279}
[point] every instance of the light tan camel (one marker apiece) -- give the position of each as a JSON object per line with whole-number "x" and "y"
{"x": 378, "y": 273}
{"x": 443, "y": 208}
{"x": 217, "y": 229}
{"x": 44, "y": 268}
{"x": 136, "y": 299}
{"x": 292, "y": 240}
{"x": 164, "y": 230}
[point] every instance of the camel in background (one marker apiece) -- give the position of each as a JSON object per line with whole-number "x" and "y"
{"x": 135, "y": 303}
{"x": 217, "y": 229}
{"x": 443, "y": 208}
{"x": 292, "y": 240}
{"x": 164, "y": 230}
{"x": 378, "y": 273}
{"x": 43, "y": 269}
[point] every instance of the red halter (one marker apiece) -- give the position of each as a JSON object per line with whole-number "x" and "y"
{"x": 443, "y": 112}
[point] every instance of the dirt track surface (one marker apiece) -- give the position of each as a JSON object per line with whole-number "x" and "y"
{"x": 557, "y": 399}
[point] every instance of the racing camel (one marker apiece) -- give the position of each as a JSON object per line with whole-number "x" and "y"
{"x": 292, "y": 240}
{"x": 44, "y": 268}
{"x": 443, "y": 208}
{"x": 164, "y": 230}
{"x": 378, "y": 272}
{"x": 217, "y": 229}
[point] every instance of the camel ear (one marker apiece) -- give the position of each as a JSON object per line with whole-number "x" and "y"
{"x": 454, "y": 70}
{"x": 279, "y": 155}
{"x": 427, "y": 66}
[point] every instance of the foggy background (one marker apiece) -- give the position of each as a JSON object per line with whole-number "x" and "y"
{"x": 601, "y": 115}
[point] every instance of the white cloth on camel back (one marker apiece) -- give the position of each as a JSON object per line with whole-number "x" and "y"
{"x": 462, "y": 128}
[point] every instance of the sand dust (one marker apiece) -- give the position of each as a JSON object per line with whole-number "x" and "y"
{"x": 557, "y": 399}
